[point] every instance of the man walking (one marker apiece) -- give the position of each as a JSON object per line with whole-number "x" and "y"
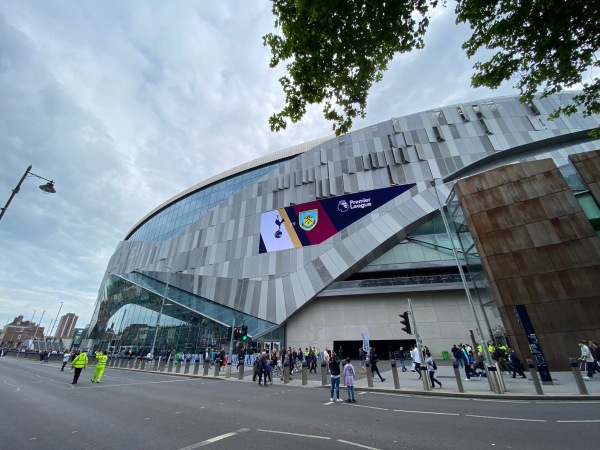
{"x": 587, "y": 359}
{"x": 100, "y": 366}
{"x": 79, "y": 363}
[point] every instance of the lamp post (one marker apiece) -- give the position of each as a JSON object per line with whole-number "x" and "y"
{"x": 47, "y": 188}
{"x": 162, "y": 305}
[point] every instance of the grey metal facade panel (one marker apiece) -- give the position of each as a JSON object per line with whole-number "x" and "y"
{"x": 222, "y": 245}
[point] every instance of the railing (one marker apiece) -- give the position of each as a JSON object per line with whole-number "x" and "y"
{"x": 399, "y": 281}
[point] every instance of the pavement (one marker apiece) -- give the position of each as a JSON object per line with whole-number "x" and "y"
{"x": 564, "y": 386}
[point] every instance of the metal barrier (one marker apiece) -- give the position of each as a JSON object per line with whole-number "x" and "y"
{"x": 457, "y": 376}
{"x": 395, "y": 375}
{"x": 534, "y": 377}
{"x": 574, "y": 363}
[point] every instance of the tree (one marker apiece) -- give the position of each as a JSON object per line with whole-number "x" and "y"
{"x": 339, "y": 48}
{"x": 546, "y": 45}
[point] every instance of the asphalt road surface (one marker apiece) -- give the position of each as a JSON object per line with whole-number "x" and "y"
{"x": 40, "y": 409}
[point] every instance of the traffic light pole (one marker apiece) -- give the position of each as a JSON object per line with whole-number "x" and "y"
{"x": 424, "y": 373}
{"x": 230, "y": 358}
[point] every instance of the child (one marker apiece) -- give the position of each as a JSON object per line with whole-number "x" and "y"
{"x": 349, "y": 377}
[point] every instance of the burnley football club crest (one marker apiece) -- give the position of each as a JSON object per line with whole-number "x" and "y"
{"x": 308, "y": 219}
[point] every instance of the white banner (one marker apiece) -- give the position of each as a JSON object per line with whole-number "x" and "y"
{"x": 365, "y": 338}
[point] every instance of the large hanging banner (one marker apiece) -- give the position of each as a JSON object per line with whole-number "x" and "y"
{"x": 314, "y": 222}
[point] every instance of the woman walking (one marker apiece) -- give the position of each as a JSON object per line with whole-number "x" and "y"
{"x": 431, "y": 368}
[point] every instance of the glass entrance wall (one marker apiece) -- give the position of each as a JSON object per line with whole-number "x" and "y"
{"x": 130, "y": 319}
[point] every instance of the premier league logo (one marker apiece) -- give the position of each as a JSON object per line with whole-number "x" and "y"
{"x": 343, "y": 206}
{"x": 308, "y": 219}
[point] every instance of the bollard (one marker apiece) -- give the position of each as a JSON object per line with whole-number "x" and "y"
{"x": 534, "y": 377}
{"x": 425, "y": 377}
{"x": 136, "y": 364}
{"x": 170, "y": 366}
{"x": 369, "y": 374}
{"x": 123, "y": 363}
{"x": 304, "y": 374}
{"x": 155, "y": 365}
{"x": 286, "y": 373}
{"x": 143, "y": 365}
{"x": 111, "y": 363}
{"x": 162, "y": 364}
{"x": 493, "y": 379}
{"x": 323, "y": 374}
{"x": 395, "y": 375}
{"x": 178, "y": 367}
{"x": 500, "y": 378}
{"x": 457, "y": 376}
{"x": 196, "y": 366}
{"x": 578, "y": 378}
{"x": 217, "y": 367}
{"x": 206, "y": 367}
{"x": 186, "y": 368}
{"x": 228, "y": 370}
{"x": 241, "y": 371}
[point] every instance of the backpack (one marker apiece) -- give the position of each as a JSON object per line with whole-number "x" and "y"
{"x": 434, "y": 364}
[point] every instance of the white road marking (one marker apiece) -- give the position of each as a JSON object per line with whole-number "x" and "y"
{"x": 212, "y": 440}
{"x": 295, "y": 434}
{"x": 356, "y": 445}
{"x": 426, "y": 412}
{"x": 506, "y": 418}
{"x": 499, "y": 401}
{"x": 368, "y": 407}
{"x": 577, "y": 421}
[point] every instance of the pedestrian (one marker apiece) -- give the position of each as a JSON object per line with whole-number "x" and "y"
{"x": 349, "y": 373}
{"x": 241, "y": 357}
{"x": 79, "y": 363}
{"x": 401, "y": 357}
{"x": 313, "y": 360}
{"x": 431, "y": 368}
{"x": 262, "y": 367}
{"x": 340, "y": 352}
{"x": 334, "y": 369}
{"x": 101, "y": 359}
{"x": 456, "y": 353}
{"x": 516, "y": 364}
{"x": 256, "y": 367}
{"x": 374, "y": 359}
{"x": 416, "y": 357}
{"x": 467, "y": 358}
{"x": 361, "y": 357}
{"x": 587, "y": 358}
{"x": 66, "y": 357}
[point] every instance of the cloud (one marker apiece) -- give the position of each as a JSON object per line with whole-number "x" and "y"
{"x": 126, "y": 104}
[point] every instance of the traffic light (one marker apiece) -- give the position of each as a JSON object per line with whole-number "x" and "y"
{"x": 244, "y": 332}
{"x": 237, "y": 334}
{"x": 405, "y": 320}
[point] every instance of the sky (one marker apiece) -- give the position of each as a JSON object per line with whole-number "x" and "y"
{"x": 126, "y": 104}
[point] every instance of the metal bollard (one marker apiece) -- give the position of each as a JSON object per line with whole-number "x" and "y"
{"x": 578, "y": 378}
{"x": 206, "y": 367}
{"x": 143, "y": 366}
{"x": 228, "y": 370}
{"x": 196, "y": 367}
{"x": 111, "y": 363}
{"x": 217, "y": 367}
{"x": 178, "y": 367}
{"x": 241, "y": 371}
{"x": 369, "y": 374}
{"x": 395, "y": 375}
{"x": 186, "y": 368}
{"x": 493, "y": 379}
{"x": 170, "y": 366}
{"x": 304, "y": 374}
{"x": 123, "y": 363}
{"x": 155, "y": 365}
{"x": 457, "y": 376}
{"x": 136, "y": 364}
{"x": 162, "y": 364}
{"x": 425, "y": 377}
{"x": 323, "y": 374}
{"x": 286, "y": 373}
{"x": 500, "y": 378}
{"x": 534, "y": 377}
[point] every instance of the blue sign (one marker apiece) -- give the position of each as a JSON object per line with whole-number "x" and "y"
{"x": 534, "y": 345}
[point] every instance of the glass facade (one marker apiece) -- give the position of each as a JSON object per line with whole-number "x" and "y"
{"x": 171, "y": 220}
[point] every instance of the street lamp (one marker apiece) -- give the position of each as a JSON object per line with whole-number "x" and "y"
{"x": 48, "y": 188}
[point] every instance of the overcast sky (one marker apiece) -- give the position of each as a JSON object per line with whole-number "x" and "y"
{"x": 126, "y": 104}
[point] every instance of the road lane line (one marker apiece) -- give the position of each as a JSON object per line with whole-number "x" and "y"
{"x": 506, "y": 418}
{"x": 295, "y": 434}
{"x": 357, "y": 445}
{"x": 427, "y": 412}
{"x": 499, "y": 401}
{"x": 577, "y": 421}
{"x": 368, "y": 407}
{"x": 213, "y": 440}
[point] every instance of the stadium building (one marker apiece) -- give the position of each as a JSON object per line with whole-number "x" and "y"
{"x": 323, "y": 243}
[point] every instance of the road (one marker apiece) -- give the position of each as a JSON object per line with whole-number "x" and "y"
{"x": 135, "y": 410}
